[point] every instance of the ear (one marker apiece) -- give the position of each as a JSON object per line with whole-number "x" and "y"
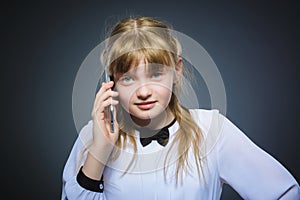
{"x": 178, "y": 69}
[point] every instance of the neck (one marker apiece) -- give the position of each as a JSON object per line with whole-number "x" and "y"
{"x": 156, "y": 123}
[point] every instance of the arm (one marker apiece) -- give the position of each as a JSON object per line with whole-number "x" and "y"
{"x": 252, "y": 172}
{"x": 71, "y": 189}
{"x": 103, "y": 139}
{"x": 98, "y": 142}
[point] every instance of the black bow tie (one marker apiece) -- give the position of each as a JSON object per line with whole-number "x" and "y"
{"x": 161, "y": 136}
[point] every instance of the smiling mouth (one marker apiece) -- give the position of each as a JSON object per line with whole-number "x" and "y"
{"x": 146, "y": 105}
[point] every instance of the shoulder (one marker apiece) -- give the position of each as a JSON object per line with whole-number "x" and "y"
{"x": 84, "y": 139}
{"x": 211, "y": 123}
{"x": 86, "y": 133}
{"x": 207, "y": 119}
{"x": 196, "y": 113}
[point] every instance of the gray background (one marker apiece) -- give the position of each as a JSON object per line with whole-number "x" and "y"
{"x": 253, "y": 43}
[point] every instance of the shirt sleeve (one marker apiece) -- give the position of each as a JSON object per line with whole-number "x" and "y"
{"x": 252, "y": 172}
{"x": 71, "y": 189}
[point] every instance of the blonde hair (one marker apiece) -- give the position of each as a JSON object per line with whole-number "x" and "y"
{"x": 152, "y": 40}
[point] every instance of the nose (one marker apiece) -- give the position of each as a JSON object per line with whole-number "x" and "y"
{"x": 144, "y": 92}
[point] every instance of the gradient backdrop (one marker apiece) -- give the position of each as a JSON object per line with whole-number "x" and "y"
{"x": 255, "y": 45}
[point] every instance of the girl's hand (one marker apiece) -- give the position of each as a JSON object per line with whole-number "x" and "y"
{"x": 103, "y": 139}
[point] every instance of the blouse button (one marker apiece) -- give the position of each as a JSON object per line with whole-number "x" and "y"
{"x": 101, "y": 186}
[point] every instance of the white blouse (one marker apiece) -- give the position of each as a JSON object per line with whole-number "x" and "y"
{"x": 228, "y": 156}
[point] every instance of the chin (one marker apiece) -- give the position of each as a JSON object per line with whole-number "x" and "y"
{"x": 142, "y": 115}
{"x": 147, "y": 114}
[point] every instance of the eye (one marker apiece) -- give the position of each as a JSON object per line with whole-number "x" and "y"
{"x": 126, "y": 79}
{"x": 156, "y": 75}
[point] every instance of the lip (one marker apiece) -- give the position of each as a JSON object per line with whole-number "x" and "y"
{"x": 145, "y": 105}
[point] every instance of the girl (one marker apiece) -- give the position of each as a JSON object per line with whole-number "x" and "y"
{"x": 157, "y": 149}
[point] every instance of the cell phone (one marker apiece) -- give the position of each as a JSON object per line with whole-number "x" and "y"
{"x": 109, "y": 109}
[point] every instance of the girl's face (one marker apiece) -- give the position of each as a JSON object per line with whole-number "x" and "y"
{"x": 145, "y": 91}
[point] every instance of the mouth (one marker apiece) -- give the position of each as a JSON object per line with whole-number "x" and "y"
{"x": 145, "y": 105}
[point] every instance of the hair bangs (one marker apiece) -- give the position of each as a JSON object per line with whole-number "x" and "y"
{"x": 130, "y": 60}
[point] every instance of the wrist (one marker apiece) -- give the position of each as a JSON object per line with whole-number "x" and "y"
{"x": 101, "y": 152}
{"x": 101, "y": 146}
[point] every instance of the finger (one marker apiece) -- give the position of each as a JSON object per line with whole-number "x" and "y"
{"x": 99, "y": 109}
{"x": 105, "y": 92}
{"x": 100, "y": 99}
{"x": 106, "y": 95}
{"x": 105, "y": 87}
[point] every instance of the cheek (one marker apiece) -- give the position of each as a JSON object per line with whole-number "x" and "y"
{"x": 124, "y": 97}
{"x": 165, "y": 93}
